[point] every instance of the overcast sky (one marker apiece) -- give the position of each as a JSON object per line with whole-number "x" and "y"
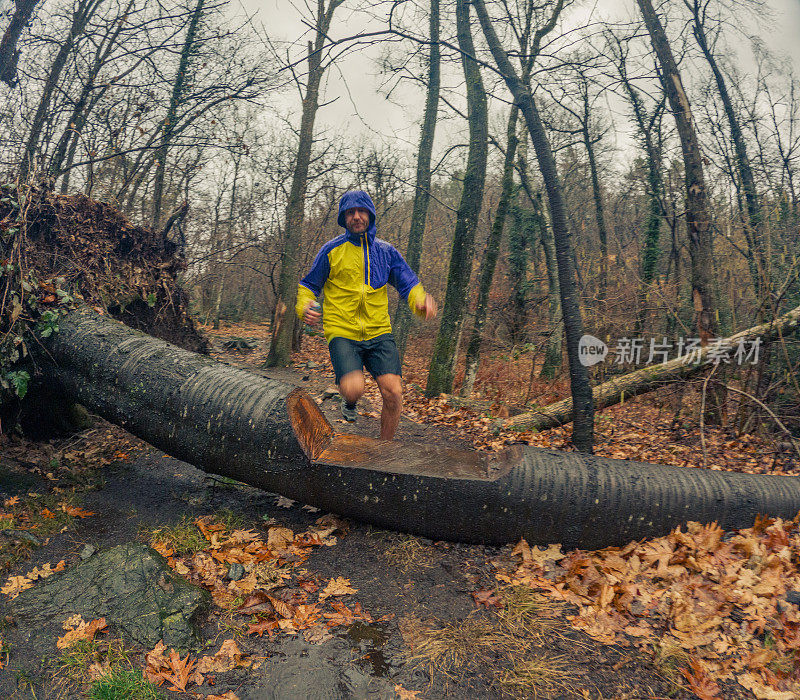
{"x": 354, "y": 86}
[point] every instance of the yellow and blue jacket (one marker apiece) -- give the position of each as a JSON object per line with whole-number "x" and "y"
{"x": 352, "y": 272}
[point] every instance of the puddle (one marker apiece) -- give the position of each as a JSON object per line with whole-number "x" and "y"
{"x": 369, "y": 640}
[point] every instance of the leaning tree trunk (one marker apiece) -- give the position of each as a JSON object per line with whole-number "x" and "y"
{"x": 442, "y": 368}
{"x": 753, "y": 218}
{"x": 9, "y": 54}
{"x": 650, "y": 378}
{"x": 273, "y": 436}
{"x": 583, "y": 431}
{"x": 698, "y": 210}
{"x": 422, "y": 194}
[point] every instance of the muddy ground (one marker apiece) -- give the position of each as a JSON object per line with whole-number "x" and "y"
{"x": 407, "y": 582}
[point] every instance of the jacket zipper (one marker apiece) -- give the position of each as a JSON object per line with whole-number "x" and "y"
{"x": 365, "y": 263}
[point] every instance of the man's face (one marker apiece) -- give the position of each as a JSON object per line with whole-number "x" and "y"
{"x": 356, "y": 219}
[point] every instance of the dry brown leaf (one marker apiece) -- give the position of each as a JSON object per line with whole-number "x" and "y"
{"x": 79, "y": 630}
{"x": 75, "y": 512}
{"x": 702, "y": 685}
{"x": 279, "y": 537}
{"x": 229, "y": 656}
{"x": 225, "y": 696}
{"x": 403, "y": 694}
{"x": 337, "y": 586}
{"x": 757, "y": 687}
{"x": 15, "y": 585}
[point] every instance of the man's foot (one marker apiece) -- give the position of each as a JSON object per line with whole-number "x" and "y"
{"x": 349, "y": 413}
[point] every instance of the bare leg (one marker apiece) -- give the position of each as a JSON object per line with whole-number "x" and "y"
{"x": 391, "y": 386}
{"x": 351, "y": 386}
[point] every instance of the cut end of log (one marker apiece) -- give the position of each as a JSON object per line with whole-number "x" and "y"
{"x": 313, "y": 431}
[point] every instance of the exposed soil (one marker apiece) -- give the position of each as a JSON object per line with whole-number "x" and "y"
{"x": 410, "y": 584}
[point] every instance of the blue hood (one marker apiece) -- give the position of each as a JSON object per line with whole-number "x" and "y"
{"x": 358, "y": 198}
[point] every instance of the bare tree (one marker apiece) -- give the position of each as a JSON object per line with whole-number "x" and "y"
{"x": 283, "y": 326}
{"x": 442, "y": 367}
{"x": 583, "y": 433}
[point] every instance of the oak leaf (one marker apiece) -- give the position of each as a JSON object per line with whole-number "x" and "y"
{"x": 337, "y": 586}
{"x": 15, "y": 585}
{"x": 76, "y": 512}
{"x": 78, "y": 630}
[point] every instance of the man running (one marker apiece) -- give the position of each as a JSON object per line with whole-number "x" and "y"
{"x": 352, "y": 270}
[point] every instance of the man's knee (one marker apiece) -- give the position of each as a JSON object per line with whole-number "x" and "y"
{"x": 391, "y": 387}
{"x": 351, "y": 386}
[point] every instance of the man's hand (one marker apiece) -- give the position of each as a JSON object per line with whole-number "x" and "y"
{"x": 427, "y": 307}
{"x": 312, "y": 313}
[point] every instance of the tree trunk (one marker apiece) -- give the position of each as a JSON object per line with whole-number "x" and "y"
{"x": 273, "y": 436}
{"x": 698, "y": 211}
{"x": 599, "y": 209}
{"x": 80, "y": 18}
{"x": 168, "y": 125}
{"x": 752, "y": 220}
{"x": 445, "y": 351}
{"x": 583, "y": 431}
{"x": 518, "y": 240}
{"x": 650, "y": 378}
{"x": 490, "y": 257}
{"x": 9, "y": 54}
{"x": 422, "y": 193}
{"x": 280, "y": 348}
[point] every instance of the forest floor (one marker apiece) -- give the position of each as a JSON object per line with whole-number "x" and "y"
{"x": 348, "y": 611}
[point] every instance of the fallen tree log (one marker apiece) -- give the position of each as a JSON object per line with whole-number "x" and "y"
{"x": 271, "y": 435}
{"x": 648, "y": 378}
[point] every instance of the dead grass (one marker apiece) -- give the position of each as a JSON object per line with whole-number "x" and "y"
{"x": 407, "y": 554}
{"x": 512, "y": 641}
{"x": 668, "y": 660}
{"x": 537, "y": 674}
{"x": 448, "y": 649}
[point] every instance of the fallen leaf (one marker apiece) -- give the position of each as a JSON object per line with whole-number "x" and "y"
{"x": 337, "y": 586}
{"x": 229, "y": 656}
{"x": 14, "y": 500}
{"x": 283, "y": 502}
{"x": 75, "y": 512}
{"x": 757, "y": 687}
{"x": 702, "y": 685}
{"x": 225, "y": 696}
{"x": 403, "y": 694}
{"x": 279, "y": 537}
{"x": 15, "y": 585}
{"x": 487, "y": 599}
{"x": 80, "y": 631}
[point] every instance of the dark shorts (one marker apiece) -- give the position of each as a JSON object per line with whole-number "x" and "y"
{"x": 379, "y": 355}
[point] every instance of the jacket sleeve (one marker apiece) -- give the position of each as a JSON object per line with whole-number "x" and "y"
{"x": 405, "y": 281}
{"x": 310, "y": 286}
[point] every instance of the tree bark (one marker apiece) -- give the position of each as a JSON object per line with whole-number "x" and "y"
{"x": 280, "y": 348}
{"x": 273, "y": 436}
{"x": 9, "y": 54}
{"x": 583, "y": 432}
{"x": 80, "y": 18}
{"x": 442, "y": 367}
{"x": 168, "y": 125}
{"x": 650, "y": 378}
{"x": 422, "y": 193}
{"x": 698, "y": 211}
{"x": 752, "y": 219}
{"x": 489, "y": 261}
